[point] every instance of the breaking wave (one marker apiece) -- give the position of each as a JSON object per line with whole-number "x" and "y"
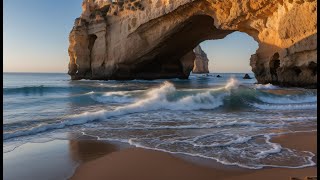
{"x": 155, "y": 99}
{"x": 167, "y": 97}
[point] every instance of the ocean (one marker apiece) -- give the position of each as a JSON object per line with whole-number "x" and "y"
{"x": 227, "y": 119}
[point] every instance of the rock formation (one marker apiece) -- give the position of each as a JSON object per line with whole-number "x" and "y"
{"x": 246, "y": 76}
{"x": 149, "y": 39}
{"x": 201, "y": 61}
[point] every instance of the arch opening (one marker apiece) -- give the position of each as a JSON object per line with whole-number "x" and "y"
{"x": 173, "y": 57}
{"x": 230, "y": 54}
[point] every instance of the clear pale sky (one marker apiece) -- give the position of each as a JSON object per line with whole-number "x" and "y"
{"x": 36, "y": 39}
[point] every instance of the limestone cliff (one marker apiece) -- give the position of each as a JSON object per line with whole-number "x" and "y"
{"x": 149, "y": 39}
{"x": 201, "y": 61}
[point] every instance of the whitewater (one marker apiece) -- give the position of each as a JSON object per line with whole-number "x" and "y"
{"x": 204, "y": 116}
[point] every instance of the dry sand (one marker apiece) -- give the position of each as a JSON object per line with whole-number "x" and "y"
{"x": 142, "y": 164}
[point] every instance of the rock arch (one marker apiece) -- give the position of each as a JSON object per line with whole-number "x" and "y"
{"x": 143, "y": 39}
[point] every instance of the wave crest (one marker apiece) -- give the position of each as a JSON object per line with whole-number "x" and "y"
{"x": 266, "y": 86}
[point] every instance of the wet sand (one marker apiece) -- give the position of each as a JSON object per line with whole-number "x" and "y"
{"x": 53, "y": 160}
{"x": 283, "y": 91}
{"x": 298, "y": 141}
{"x": 140, "y": 164}
{"x": 35, "y": 161}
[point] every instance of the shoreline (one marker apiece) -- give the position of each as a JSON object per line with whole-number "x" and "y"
{"x": 88, "y": 158}
{"x": 140, "y": 163}
{"x": 85, "y": 157}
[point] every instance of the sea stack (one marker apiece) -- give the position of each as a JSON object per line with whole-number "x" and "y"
{"x": 246, "y": 76}
{"x": 201, "y": 61}
{"x": 143, "y": 39}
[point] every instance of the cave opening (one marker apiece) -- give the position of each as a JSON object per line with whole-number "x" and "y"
{"x": 297, "y": 70}
{"x": 92, "y": 40}
{"x": 274, "y": 64}
{"x": 313, "y": 68}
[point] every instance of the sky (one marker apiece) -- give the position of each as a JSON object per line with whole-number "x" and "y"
{"x": 230, "y": 54}
{"x": 36, "y": 34}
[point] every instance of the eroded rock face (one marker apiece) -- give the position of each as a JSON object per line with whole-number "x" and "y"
{"x": 149, "y": 39}
{"x": 201, "y": 61}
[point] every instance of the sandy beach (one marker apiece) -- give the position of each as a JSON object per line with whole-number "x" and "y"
{"x": 86, "y": 158}
{"x": 138, "y": 163}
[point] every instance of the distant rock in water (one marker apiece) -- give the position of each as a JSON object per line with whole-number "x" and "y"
{"x": 201, "y": 61}
{"x": 246, "y": 76}
{"x": 218, "y": 76}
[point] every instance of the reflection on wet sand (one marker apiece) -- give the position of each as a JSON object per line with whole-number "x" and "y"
{"x": 87, "y": 150}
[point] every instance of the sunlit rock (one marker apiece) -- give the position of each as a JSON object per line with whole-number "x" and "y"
{"x": 150, "y": 39}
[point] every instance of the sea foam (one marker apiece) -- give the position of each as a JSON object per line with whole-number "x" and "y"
{"x": 266, "y": 86}
{"x": 288, "y": 100}
{"x": 284, "y": 106}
